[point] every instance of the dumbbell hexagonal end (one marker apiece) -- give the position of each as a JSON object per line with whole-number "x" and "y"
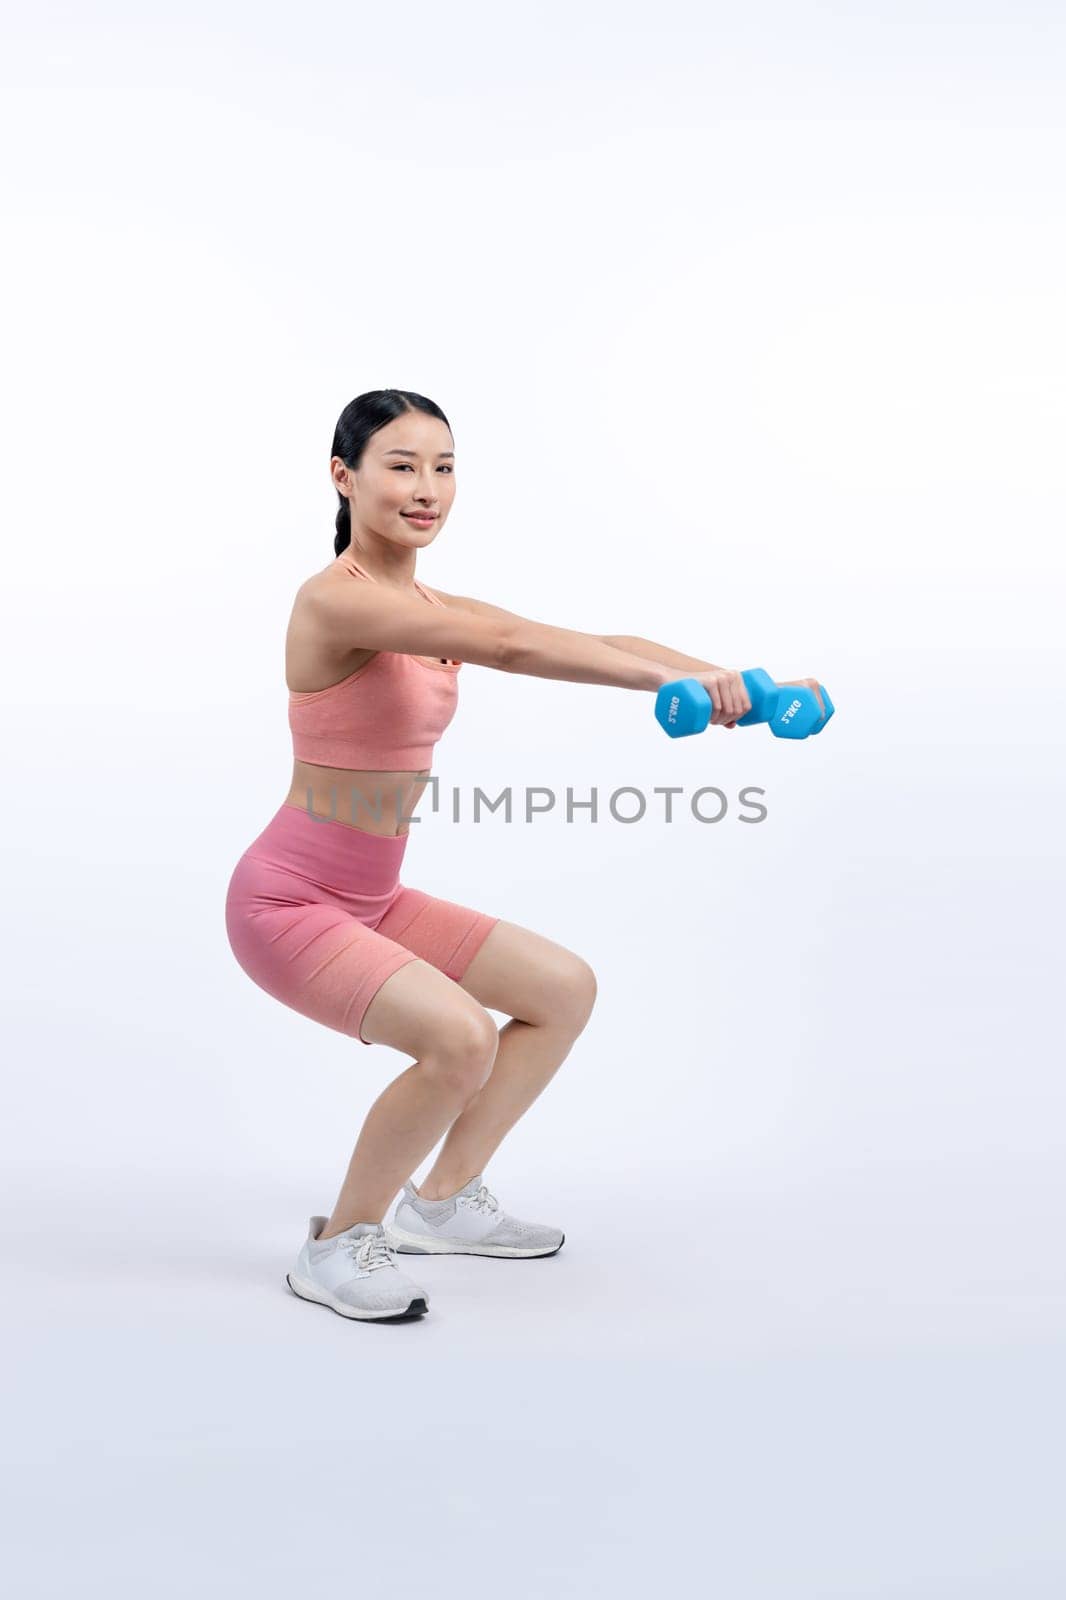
{"x": 683, "y": 707}
{"x": 796, "y": 714}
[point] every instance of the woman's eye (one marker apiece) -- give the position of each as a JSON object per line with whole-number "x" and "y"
{"x": 405, "y": 466}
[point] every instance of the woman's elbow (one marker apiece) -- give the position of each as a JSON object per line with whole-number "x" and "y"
{"x": 506, "y": 647}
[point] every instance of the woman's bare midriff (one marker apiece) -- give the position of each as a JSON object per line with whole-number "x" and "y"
{"x": 375, "y": 802}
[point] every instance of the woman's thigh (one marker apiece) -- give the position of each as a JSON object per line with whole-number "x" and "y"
{"x": 391, "y": 984}
{"x": 423, "y": 1006}
{"x": 425, "y": 1014}
{"x": 530, "y": 977}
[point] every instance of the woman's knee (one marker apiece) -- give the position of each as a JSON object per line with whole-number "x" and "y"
{"x": 576, "y": 991}
{"x": 463, "y": 1050}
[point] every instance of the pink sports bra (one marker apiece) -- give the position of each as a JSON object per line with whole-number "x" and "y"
{"x": 386, "y": 716}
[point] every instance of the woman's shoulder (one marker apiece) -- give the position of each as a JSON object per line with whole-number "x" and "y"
{"x": 334, "y": 572}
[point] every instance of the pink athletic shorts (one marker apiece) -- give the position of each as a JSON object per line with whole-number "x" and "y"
{"x": 317, "y": 916}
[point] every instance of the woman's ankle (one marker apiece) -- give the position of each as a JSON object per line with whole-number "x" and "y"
{"x": 441, "y": 1191}
{"x": 332, "y": 1228}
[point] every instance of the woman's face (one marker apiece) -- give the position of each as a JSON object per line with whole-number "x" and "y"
{"x": 407, "y": 466}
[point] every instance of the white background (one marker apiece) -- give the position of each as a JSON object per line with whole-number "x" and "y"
{"x": 749, "y": 325}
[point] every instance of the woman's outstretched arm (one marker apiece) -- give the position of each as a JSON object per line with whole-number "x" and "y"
{"x": 631, "y": 644}
{"x": 636, "y": 646}
{"x": 554, "y": 658}
{"x": 538, "y": 650}
{"x": 368, "y": 616}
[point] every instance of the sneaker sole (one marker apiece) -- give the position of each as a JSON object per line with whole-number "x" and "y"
{"x": 410, "y": 1244}
{"x": 322, "y": 1297}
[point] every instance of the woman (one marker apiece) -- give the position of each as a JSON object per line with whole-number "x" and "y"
{"x": 316, "y": 913}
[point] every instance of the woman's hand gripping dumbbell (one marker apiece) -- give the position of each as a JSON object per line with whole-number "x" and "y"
{"x": 793, "y": 709}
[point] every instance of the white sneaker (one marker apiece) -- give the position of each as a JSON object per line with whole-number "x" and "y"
{"x": 468, "y": 1223}
{"x": 355, "y": 1274}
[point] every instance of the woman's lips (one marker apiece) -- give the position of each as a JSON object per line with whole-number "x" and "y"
{"x": 413, "y": 517}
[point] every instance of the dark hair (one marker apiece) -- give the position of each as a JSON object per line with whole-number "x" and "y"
{"x": 360, "y": 418}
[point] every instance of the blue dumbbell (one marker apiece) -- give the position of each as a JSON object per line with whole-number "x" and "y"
{"x": 685, "y": 707}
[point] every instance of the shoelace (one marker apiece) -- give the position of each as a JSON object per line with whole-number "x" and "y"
{"x": 371, "y": 1251}
{"x": 484, "y": 1200}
